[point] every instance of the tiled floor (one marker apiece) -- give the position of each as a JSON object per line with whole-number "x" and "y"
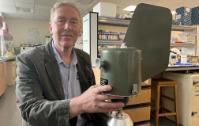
{"x": 10, "y": 115}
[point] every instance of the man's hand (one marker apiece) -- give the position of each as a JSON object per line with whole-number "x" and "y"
{"x": 93, "y": 100}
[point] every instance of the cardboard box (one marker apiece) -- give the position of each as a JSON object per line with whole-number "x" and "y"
{"x": 195, "y": 15}
{"x": 105, "y": 9}
{"x": 183, "y": 16}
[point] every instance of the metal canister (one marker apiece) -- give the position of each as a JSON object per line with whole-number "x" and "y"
{"x": 121, "y": 67}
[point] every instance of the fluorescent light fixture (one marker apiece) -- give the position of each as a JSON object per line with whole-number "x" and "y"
{"x": 24, "y": 10}
{"x": 173, "y": 12}
{"x": 130, "y": 8}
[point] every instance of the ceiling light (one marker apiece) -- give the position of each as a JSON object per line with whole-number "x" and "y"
{"x": 24, "y": 10}
{"x": 130, "y": 8}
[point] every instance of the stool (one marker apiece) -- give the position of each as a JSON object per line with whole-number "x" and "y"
{"x": 159, "y": 85}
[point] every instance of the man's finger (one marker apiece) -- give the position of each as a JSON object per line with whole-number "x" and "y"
{"x": 104, "y": 88}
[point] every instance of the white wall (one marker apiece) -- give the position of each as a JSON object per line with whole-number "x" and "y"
{"x": 27, "y": 31}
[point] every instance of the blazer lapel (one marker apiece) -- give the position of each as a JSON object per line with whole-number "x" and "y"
{"x": 84, "y": 84}
{"x": 52, "y": 70}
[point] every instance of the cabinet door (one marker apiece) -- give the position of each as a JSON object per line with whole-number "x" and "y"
{"x": 144, "y": 96}
{"x": 10, "y": 71}
{"x": 195, "y": 112}
{"x": 139, "y": 114}
{"x": 195, "y": 102}
{"x": 2, "y": 79}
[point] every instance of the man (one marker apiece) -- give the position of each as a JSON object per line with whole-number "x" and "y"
{"x": 54, "y": 82}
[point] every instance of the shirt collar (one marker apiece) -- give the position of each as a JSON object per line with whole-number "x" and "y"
{"x": 58, "y": 58}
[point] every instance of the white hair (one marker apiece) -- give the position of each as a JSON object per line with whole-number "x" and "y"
{"x": 59, "y": 4}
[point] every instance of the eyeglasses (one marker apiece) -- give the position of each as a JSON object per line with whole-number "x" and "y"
{"x": 63, "y": 21}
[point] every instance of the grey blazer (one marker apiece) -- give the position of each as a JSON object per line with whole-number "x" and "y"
{"x": 39, "y": 92}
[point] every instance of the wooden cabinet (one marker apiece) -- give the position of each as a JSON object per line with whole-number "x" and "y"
{"x": 7, "y": 75}
{"x": 139, "y": 106}
{"x": 195, "y": 101}
{"x": 97, "y": 75}
{"x": 3, "y": 84}
{"x": 10, "y": 72}
{"x": 139, "y": 114}
{"x": 144, "y": 96}
{"x": 188, "y": 97}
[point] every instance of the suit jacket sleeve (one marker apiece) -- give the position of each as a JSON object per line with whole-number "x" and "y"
{"x": 35, "y": 109}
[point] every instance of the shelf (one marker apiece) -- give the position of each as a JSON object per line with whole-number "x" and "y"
{"x": 182, "y": 68}
{"x": 183, "y": 28}
{"x": 125, "y": 22}
{"x": 110, "y": 42}
{"x": 183, "y": 45}
{"x": 113, "y": 21}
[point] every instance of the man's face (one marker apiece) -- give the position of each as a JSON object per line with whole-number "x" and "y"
{"x": 65, "y": 27}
